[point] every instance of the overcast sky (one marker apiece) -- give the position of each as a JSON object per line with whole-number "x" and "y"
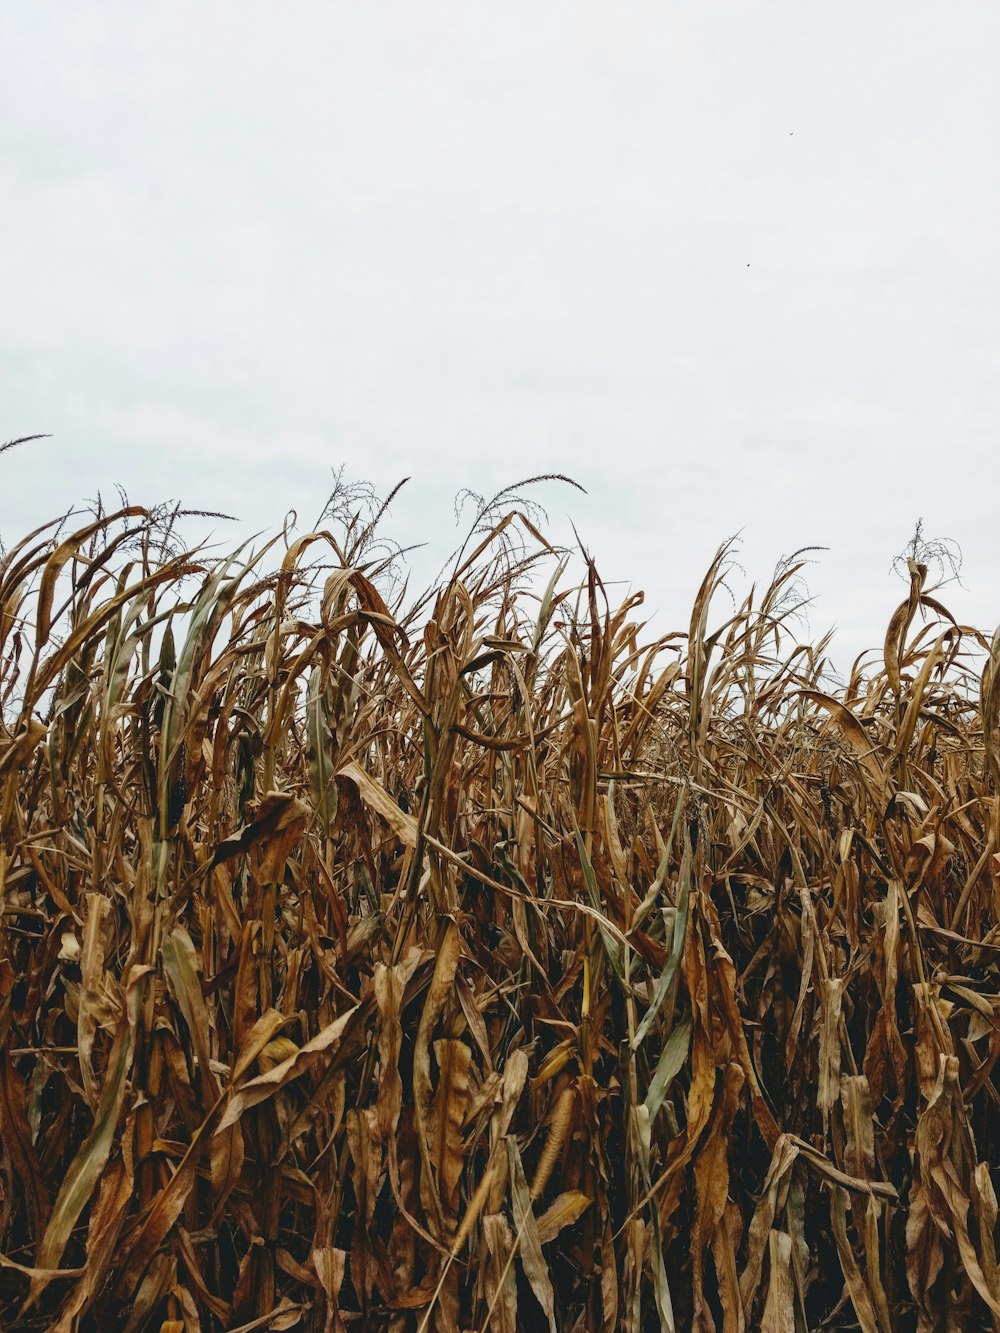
{"x": 730, "y": 265}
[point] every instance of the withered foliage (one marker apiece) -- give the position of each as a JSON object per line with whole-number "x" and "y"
{"x": 486, "y": 967}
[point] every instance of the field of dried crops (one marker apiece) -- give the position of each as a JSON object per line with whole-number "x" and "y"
{"x": 482, "y": 965}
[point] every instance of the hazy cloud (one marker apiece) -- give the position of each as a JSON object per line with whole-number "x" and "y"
{"x": 731, "y": 266}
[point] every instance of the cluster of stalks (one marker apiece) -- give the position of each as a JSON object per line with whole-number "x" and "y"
{"x": 483, "y": 966}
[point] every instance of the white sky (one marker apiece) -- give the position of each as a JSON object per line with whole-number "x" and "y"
{"x": 730, "y": 265}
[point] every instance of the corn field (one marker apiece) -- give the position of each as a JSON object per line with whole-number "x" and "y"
{"x": 483, "y": 964}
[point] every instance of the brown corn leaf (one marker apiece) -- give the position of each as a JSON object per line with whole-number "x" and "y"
{"x": 854, "y": 733}
{"x": 532, "y": 1260}
{"x": 276, "y": 827}
{"x": 779, "y": 1308}
{"x": 562, "y": 1212}
{"x": 17, "y": 1142}
{"x": 711, "y": 1173}
{"x": 771, "y": 1201}
{"x": 95, "y": 936}
{"x": 501, "y": 1286}
{"x": 89, "y": 1163}
{"x": 831, "y": 993}
{"x": 378, "y": 799}
{"x": 451, "y": 1098}
{"x": 437, "y": 998}
{"x": 265, "y": 1085}
{"x": 329, "y": 1264}
{"x": 860, "y": 1295}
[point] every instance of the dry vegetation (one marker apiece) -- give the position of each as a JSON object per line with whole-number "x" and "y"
{"x": 480, "y": 966}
